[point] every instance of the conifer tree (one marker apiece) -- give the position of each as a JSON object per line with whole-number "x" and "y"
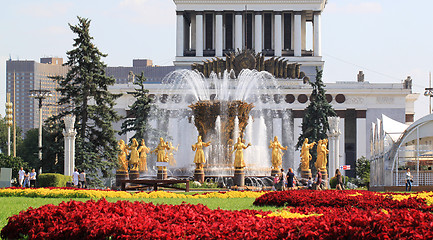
{"x": 140, "y": 113}
{"x": 315, "y": 121}
{"x": 138, "y": 116}
{"x": 84, "y": 93}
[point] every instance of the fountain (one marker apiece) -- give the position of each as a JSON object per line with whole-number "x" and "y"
{"x": 226, "y": 101}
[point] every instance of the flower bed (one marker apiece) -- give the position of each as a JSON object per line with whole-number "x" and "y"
{"x": 308, "y": 215}
{"x": 91, "y": 193}
{"x": 360, "y": 199}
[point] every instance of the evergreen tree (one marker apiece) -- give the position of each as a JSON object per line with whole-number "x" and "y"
{"x": 84, "y": 93}
{"x": 138, "y": 116}
{"x": 315, "y": 121}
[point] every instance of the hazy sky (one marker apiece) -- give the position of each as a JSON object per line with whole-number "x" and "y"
{"x": 387, "y": 39}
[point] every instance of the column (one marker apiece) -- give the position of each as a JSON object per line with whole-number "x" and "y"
{"x": 317, "y": 34}
{"x": 361, "y": 137}
{"x": 278, "y": 34}
{"x": 69, "y": 133}
{"x": 180, "y": 34}
{"x": 303, "y": 32}
{"x": 334, "y": 151}
{"x": 219, "y": 34}
{"x": 258, "y": 32}
{"x": 193, "y": 31}
{"x": 297, "y": 34}
{"x": 238, "y": 31}
{"x": 199, "y": 34}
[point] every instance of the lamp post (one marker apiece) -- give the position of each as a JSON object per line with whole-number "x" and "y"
{"x": 9, "y": 120}
{"x": 40, "y": 94}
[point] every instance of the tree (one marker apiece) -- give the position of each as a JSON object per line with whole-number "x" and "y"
{"x": 12, "y": 162}
{"x": 139, "y": 115}
{"x": 29, "y": 149}
{"x": 84, "y": 93}
{"x": 362, "y": 171}
{"x": 315, "y": 121}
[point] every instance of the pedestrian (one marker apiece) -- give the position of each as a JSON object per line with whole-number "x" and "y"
{"x": 409, "y": 180}
{"x": 33, "y": 178}
{"x": 310, "y": 183}
{"x": 75, "y": 176}
{"x": 277, "y": 181}
{"x": 284, "y": 179}
{"x": 340, "y": 185}
{"x": 82, "y": 179}
{"x": 26, "y": 179}
{"x": 291, "y": 179}
{"x": 318, "y": 181}
{"x": 21, "y": 175}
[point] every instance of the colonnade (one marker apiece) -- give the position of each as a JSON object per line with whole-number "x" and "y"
{"x": 276, "y": 33}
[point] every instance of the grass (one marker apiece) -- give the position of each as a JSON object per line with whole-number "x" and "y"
{"x": 13, "y": 205}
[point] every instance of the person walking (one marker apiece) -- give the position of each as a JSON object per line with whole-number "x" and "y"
{"x": 82, "y": 179}
{"x": 75, "y": 176}
{"x": 21, "y": 175}
{"x": 340, "y": 185}
{"x": 33, "y": 178}
{"x": 290, "y": 179}
{"x": 26, "y": 179}
{"x": 409, "y": 180}
{"x": 284, "y": 179}
{"x": 318, "y": 182}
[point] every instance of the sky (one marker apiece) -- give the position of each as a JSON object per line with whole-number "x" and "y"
{"x": 387, "y": 39}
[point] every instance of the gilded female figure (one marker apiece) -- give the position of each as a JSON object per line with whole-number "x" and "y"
{"x": 277, "y": 155}
{"x": 239, "y": 156}
{"x": 199, "y": 158}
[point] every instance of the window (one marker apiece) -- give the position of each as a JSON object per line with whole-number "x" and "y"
{"x": 228, "y": 19}
{"x": 287, "y": 31}
{"x": 248, "y": 31}
{"x": 267, "y": 24}
{"x": 209, "y": 31}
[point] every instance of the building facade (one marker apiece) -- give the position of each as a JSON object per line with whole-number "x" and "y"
{"x": 23, "y": 76}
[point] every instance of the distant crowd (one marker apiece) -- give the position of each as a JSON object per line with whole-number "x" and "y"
{"x": 288, "y": 181}
{"x": 27, "y": 179}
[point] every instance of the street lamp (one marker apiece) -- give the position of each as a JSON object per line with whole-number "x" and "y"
{"x": 40, "y": 94}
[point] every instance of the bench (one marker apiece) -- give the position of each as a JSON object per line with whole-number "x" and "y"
{"x": 141, "y": 183}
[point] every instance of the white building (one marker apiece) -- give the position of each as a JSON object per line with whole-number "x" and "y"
{"x": 209, "y": 29}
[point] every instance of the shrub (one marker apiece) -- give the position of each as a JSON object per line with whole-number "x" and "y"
{"x": 333, "y": 181}
{"x": 53, "y": 180}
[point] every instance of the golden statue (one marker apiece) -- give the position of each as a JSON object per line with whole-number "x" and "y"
{"x": 199, "y": 159}
{"x": 160, "y": 151}
{"x": 305, "y": 155}
{"x": 121, "y": 156}
{"x": 239, "y": 156}
{"x": 143, "y": 150}
{"x": 277, "y": 154}
{"x": 170, "y": 154}
{"x": 134, "y": 158}
{"x": 322, "y": 152}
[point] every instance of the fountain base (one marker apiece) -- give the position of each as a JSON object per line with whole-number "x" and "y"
{"x": 239, "y": 177}
{"x": 306, "y": 173}
{"x": 275, "y": 172}
{"x": 199, "y": 175}
{"x": 162, "y": 174}
{"x": 121, "y": 175}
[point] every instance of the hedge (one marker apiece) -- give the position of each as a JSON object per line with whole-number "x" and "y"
{"x": 53, "y": 180}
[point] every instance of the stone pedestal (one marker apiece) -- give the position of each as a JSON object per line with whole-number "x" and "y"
{"x": 239, "y": 177}
{"x": 133, "y": 174}
{"x": 275, "y": 171}
{"x": 306, "y": 173}
{"x": 121, "y": 175}
{"x": 325, "y": 178}
{"x": 199, "y": 175}
{"x": 162, "y": 173}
